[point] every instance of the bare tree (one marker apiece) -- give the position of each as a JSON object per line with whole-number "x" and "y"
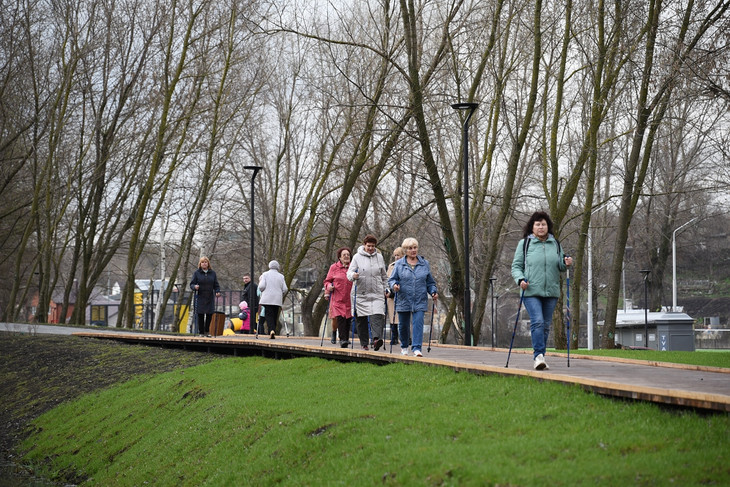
{"x": 652, "y": 101}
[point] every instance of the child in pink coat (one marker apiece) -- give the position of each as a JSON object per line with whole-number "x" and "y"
{"x": 245, "y": 316}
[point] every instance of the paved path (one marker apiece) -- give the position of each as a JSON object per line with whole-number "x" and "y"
{"x": 684, "y": 385}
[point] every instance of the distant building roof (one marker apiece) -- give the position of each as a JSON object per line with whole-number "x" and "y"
{"x": 144, "y": 284}
{"x": 636, "y": 316}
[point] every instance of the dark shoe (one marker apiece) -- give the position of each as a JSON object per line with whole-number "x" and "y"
{"x": 378, "y": 344}
{"x": 365, "y": 347}
{"x": 334, "y": 337}
{"x": 344, "y": 344}
{"x": 272, "y": 335}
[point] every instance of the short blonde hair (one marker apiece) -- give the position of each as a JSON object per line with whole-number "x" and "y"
{"x": 204, "y": 259}
{"x": 399, "y": 252}
{"x": 409, "y": 242}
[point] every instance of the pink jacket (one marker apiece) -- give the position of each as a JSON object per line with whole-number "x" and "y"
{"x": 338, "y": 287}
{"x": 246, "y": 323}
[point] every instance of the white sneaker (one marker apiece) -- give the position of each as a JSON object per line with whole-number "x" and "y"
{"x": 417, "y": 353}
{"x": 404, "y": 351}
{"x": 540, "y": 363}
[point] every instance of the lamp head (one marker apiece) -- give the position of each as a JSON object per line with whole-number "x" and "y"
{"x": 464, "y": 106}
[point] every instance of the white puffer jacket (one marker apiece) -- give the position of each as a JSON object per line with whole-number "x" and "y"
{"x": 368, "y": 293}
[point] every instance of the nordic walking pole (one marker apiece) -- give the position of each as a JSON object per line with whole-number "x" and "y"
{"x": 517, "y": 319}
{"x": 567, "y": 321}
{"x": 391, "y": 326}
{"x": 370, "y": 333}
{"x": 326, "y": 315}
{"x": 395, "y": 300}
{"x": 195, "y": 310}
{"x": 354, "y": 316}
{"x": 430, "y": 328}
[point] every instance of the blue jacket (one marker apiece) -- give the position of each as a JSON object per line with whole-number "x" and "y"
{"x": 416, "y": 285}
{"x": 542, "y": 267}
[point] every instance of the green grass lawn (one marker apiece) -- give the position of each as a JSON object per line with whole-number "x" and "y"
{"x": 308, "y": 421}
{"x": 708, "y": 358}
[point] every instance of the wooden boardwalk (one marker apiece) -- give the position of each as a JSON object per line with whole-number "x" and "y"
{"x": 664, "y": 383}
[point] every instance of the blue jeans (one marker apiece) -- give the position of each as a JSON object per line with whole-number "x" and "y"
{"x": 541, "y": 317}
{"x": 404, "y": 329}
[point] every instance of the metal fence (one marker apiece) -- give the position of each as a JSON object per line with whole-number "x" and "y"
{"x": 712, "y": 339}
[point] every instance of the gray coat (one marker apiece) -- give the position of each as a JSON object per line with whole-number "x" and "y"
{"x": 371, "y": 285}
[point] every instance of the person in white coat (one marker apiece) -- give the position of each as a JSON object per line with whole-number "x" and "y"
{"x": 273, "y": 288}
{"x": 367, "y": 270}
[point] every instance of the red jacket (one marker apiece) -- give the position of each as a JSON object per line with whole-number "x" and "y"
{"x": 338, "y": 287}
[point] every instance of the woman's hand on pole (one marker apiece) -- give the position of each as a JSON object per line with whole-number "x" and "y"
{"x": 524, "y": 284}
{"x": 435, "y": 296}
{"x": 568, "y": 260}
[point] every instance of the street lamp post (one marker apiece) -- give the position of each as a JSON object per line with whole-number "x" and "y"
{"x": 589, "y": 319}
{"x": 252, "y": 312}
{"x": 494, "y": 316}
{"x": 646, "y": 273}
{"x": 469, "y": 108}
{"x": 674, "y": 264}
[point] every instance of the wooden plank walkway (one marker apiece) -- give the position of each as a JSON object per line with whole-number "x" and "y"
{"x": 664, "y": 383}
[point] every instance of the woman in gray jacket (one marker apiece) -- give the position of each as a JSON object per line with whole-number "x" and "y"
{"x": 367, "y": 270}
{"x": 536, "y": 268}
{"x": 273, "y": 288}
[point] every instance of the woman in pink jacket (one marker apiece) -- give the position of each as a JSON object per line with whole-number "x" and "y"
{"x": 337, "y": 290}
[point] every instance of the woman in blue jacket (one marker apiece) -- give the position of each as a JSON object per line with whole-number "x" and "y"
{"x": 536, "y": 268}
{"x": 412, "y": 282}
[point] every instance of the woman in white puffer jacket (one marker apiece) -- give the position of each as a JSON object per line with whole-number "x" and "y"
{"x": 368, "y": 272}
{"x": 273, "y": 288}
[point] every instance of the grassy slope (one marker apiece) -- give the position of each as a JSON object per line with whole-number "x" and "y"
{"x": 315, "y": 422}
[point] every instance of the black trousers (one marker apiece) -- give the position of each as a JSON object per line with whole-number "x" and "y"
{"x": 343, "y": 328}
{"x": 204, "y": 323}
{"x": 271, "y": 313}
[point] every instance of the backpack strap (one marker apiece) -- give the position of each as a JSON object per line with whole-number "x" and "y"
{"x": 525, "y": 245}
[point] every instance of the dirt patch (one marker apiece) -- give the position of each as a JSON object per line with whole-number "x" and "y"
{"x": 38, "y": 372}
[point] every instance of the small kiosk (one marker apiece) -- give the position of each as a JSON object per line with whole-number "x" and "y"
{"x": 666, "y": 330}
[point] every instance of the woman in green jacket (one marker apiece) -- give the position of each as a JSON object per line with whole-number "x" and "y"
{"x": 536, "y": 268}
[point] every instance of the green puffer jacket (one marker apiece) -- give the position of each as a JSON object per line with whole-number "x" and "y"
{"x": 542, "y": 267}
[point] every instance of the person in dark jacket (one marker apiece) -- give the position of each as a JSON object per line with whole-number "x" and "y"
{"x": 250, "y": 294}
{"x": 413, "y": 283}
{"x": 205, "y": 285}
{"x": 536, "y": 268}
